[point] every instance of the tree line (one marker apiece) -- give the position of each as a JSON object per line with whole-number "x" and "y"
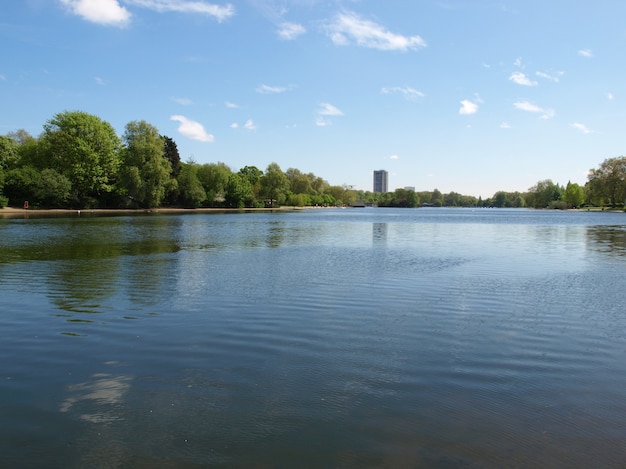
{"x": 79, "y": 161}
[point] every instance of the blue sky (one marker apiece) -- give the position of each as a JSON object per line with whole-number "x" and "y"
{"x": 472, "y": 96}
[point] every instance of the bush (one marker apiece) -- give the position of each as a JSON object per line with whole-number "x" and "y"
{"x": 4, "y": 201}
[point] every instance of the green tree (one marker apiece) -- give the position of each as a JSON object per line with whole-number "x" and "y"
{"x": 52, "y": 189}
{"x": 214, "y": 177}
{"x": 239, "y": 192}
{"x": 191, "y": 192}
{"x": 542, "y": 194}
{"x": 574, "y": 195}
{"x": 274, "y": 184}
{"x": 21, "y": 184}
{"x": 608, "y": 181}
{"x": 84, "y": 149}
{"x": 436, "y": 198}
{"x": 145, "y": 173}
{"x": 170, "y": 153}
{"x": 8, "y": 152}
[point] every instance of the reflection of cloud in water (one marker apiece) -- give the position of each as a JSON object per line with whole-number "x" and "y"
{"x": 97, "y": 401}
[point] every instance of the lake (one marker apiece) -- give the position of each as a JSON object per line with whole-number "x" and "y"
{"x": 318, "y": 338}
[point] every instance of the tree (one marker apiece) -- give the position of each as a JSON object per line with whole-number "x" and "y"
{"x": 52, "y": 189}
{"x": 274, "y": 184}
{"x": 238, "y": 191}
{"x": 145, "y": 173}
{"x": 214, "y": 177}
{"x": 574, "y": 195}
{"x": 170, "y": 153}
{"x": 8, "y": 152}
{"x": 542, "y": 194}
{"x": 191, "y": 192}
{"x": 608, "y": 181}
{"x": 84, "y": 149}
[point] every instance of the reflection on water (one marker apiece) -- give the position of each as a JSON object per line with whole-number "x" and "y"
{"x": 610, "y": 240}
{"x": 343, "y": 338}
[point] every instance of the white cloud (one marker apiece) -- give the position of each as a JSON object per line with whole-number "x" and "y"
{"x": 505, "y": 125}
{"x": 521, "y": 79}
{"x": 552, "y": 77}
{"x": 2, "y": 78}
{"x": 610, "y": 96}
{"x": 266, "y": 89}
{"x": 468, "y": 107}
{"x": 393, "y": 157}
{"x": 100, "y": 81}
{"x": 321, "y": 122}
{"x": 582, "y": 127}
{"x": 290, "y": 31}
{"x": 249, "y": 125}
{"x": 585, "y": 53}
{"x": 234, "y": 125}
{"x": 106, "y": 12}
{"x": 327, "y": 109}
{"x": 219, "y": 12}
{"x": 529, "y": 107}
{"x": 408, "y": 92}
{"x": 183, "y": 101}
{"x": 192, "y": 129}
{"x": 348, "y": 28}
{"x": 230, "y": 105}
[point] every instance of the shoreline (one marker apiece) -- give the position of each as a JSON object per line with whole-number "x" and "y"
{"x": 10, "y": 211}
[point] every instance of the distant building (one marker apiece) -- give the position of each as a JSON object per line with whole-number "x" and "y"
{"x": 380, "y": 181}
{"x": 409, "y": 188}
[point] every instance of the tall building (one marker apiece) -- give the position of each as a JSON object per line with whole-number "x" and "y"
{"x": 380, "y": 181}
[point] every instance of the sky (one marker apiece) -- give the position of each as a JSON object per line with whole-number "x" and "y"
{"x": 471, "y": 96}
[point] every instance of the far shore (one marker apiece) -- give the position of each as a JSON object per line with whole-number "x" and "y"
{"x": 15, "y": 211}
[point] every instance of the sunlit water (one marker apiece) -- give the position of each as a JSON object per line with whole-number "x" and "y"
{"x": 320, "y": 338}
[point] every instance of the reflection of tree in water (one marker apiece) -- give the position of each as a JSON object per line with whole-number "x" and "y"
{"x": 276, "y": 234}
{"x": 379, "y": 232}
{"x": 607, "y": 239}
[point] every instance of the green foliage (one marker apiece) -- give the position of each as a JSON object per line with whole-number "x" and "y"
{"x": 170, "y": 153}
{"x": 607, "y": 183}
{"x": 542, "y": 194}
{"x": 8, "y": 152}
{"x": 214, "y": 177}
{"x": 574, "y": 195}
{"x": 52, "y": 189}
{"x": 21, "y": 184}
{"x": 239, "y": 192}
{"x": 85, "y": 149}
{"x": 190, "y": 190}
{"x": 145, "y": 173}
{"x": 274, "y": 184}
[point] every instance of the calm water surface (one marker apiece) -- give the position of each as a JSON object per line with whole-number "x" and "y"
{"x": 321, "y": 338}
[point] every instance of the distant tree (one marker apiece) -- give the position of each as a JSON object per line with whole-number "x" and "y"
{"x": 436, "y": 198}
{"x": 542, "y": 194}
{"x": 84, "y": 149}
{"x": 190, "y": 190}
{"x": 253, "y": 175}
{"x": 52, "y": 189}
{"x": 274, "y": 184}
{"x": 170, "y": 153}
{"x": 8, "y": 152}
{"x": 574, "y": 195}
{"x": 608, "y": 181}
{"x": 21, "y": 184}
{"x": 239, "y": 192}
{"x": 145, "y": 173}
{"x": 214, "y": 177}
